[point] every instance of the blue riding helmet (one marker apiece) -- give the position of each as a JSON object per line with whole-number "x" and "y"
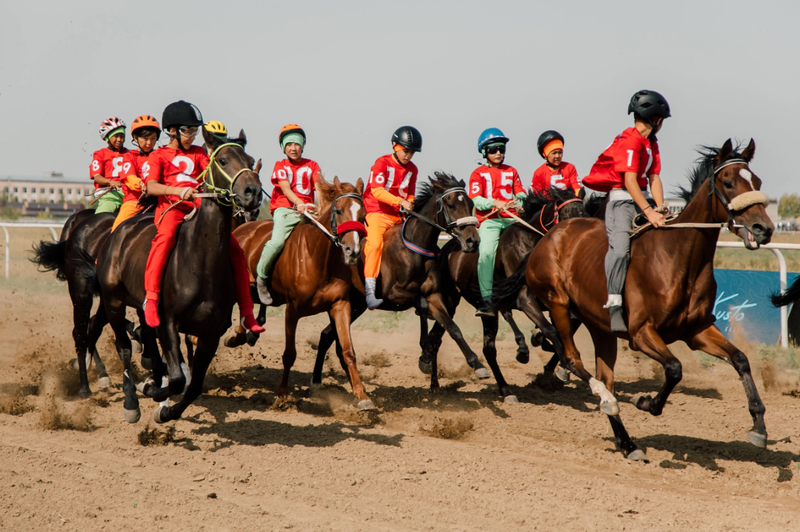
{"x": 490, "y": 135}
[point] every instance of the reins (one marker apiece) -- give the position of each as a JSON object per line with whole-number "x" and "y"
{"x": 440, "y": 209}
{"x": 336, "y": 232}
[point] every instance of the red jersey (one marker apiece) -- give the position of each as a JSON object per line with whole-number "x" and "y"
{"x": 302, "y": 178}
{"x": 108, "y": 163}
{"x": 563, "y": 177}
{"x": 396, "y": 179}
{"x": 630, "y": 152}
{"x": 501, "y": 183}
{"x": 175, "y": 168}
{"x": 132, "y": 168}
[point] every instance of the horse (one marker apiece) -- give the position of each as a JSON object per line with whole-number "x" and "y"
{"x": 410, "y": 274}
{"x": 540, "y": 210}
{"x": 670, "y": 288}
{"x": 315, "y": 272}
{"x": 198, "y": 291}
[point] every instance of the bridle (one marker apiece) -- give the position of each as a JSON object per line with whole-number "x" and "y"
{"x": 337, "y": 230}
{"x": 555, "y": 213}
{"x": 739, "y": 203}
{"x": 449, "y": 227}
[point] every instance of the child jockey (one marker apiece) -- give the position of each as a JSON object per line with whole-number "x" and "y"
{"x": 555, "y": 172}
{"x": 217, "y": 128}
{"x": 624, "y": 170}
{"x": 172, "y": 175}
{"x": 391, "y": 186}
{"x": 107, "y": 165}
{"x": 145, "y": 132}
{"x": 294, "y": 179}
{"x": 492, "y": 186}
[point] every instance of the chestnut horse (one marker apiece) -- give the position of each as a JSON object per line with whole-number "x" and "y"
{"x": 315, "y": 272}
{"x": 410, "y": 274}
{"x": 542, "y": 211}
{"x": 198, "y": 289}
{"x": 669, "y": 290}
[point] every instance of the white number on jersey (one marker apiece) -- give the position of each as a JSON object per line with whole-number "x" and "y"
{"x": 187, "y": 167}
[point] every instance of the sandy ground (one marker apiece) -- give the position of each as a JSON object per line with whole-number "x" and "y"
{"x": 459, "y": 459}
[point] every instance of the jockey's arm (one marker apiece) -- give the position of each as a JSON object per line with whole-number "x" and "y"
{"x": 657, "y": 189}
{"x": 384, "y": 196}
{"x": 154, "y": 188}
{"x": 291, "y": 196}
{"x": 632, "y": 186}
{"x": 103, "y": 182}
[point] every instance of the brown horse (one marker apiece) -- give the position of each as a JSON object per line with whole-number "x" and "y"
{"x": 669, "y": 291}
{"x": 410, "y": 274}
{"x": 315, "y": 272}
{"x": 198, "y": 289}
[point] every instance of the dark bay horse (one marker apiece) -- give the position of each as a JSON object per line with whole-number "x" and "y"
{"x": 413, "y": 279}
{"x": 540, "y": 210}
{"x": 315, "y": 272}
{"x": 198, "y": 290}
{"x": 670, "y": 288}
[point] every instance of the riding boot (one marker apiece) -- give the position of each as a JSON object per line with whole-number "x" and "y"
{"x": 150, "y": 307}
{"x": 372, "y": 301}
{"x": 249, "y": 322}
{"x": 617, "y": 320}
{"x": 263, "y": 292}
{"x": 485, "y": 310}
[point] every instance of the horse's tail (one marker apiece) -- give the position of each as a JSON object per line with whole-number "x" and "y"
{"x": 85, "y": 269}
{"x": 505, "y": 291}
{"x": 51, "y": 256}
{"x": 781, "y": 299}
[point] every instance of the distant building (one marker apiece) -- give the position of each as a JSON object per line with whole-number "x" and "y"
{"x": 51, "y": 188}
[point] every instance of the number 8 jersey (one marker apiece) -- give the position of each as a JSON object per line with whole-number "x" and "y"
{"x": 500, "y": 183}
{"x": 109, "y": 164}
{"x": 302, "y": 178}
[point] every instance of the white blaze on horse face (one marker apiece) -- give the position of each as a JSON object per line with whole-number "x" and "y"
{"x": 460, "y": 197}
{"x": 354, "y": 206}
{"x": 747, "y": 175}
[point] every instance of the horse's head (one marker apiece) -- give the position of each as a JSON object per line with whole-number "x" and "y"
{"x": 735, "y": 196}
{"x": 568, "y": 204}
{"x": 347, "y": 215}
{"x": 454, "y": 210}
{"x": 231, "y": 171}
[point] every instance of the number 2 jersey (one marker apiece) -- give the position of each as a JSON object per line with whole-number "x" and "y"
{"x": 302, "y": 178}
{"x": 109, "y": 164}
{"x": 398, "y": 180}
{"x": 630, "y": 152}
{"x": 175, "y": 168}
{"x": 500, "y": 183}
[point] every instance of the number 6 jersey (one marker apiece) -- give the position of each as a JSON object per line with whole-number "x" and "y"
{"x": 302, "y": 178}
{"x": 398, "y": 180}
{"x": 501, "y": 183}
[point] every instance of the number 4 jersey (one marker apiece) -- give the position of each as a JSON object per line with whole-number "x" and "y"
{"x": 302, "y": 178}
{"x": 109, "y": 164}
{"x": 398, "y": 180}
{"x": 500, "y": 183}
{"x": 175, "y": 168}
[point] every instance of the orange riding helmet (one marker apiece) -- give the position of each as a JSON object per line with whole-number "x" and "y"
{"x": 145, "y": 121}
{"x": 290, "y": 128}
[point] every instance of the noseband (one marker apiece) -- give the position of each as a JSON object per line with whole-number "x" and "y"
{"x": 739, "y": 203}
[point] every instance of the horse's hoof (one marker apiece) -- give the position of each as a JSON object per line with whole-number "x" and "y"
{"x": 759, "y": 440}
{"x": 147, "y": 363}
{"x": 315, "y": 384}
{"x": 609, "y": 408}
{"x": 562, "y": 374}
{"x": 85, "y": 393}
{"x": 74, "y": 364}
{"x": 366, "y": 404}
{"x": 132, "y": 416}
{"x": 425, "y": 367}
{"x": 511, "y": 400}
{"x": 524, "y": 357}
{"x": 140, "y": 385}
{"x": 536, "y": 339}
{"x": 103, "y": 382}
{"x": 136, "y": 347}
{"x": 637, "y": 455}
{"x": 642, "y": 402}
{"x": 157, "y": 414}
{"x": 482, "y": 373}
{"x": 235, "y": 340}
{"x": 251, "y": 338}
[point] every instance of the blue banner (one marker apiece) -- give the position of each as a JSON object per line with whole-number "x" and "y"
{"x": 743, "y": 303}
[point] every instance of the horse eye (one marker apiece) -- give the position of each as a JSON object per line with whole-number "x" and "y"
{"x": 223, "y": 161}
{"x": 338, "y": 211}
{"x": 728, "y": 184}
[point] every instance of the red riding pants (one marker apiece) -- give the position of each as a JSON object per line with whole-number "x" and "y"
{"x": 164, "y": 242}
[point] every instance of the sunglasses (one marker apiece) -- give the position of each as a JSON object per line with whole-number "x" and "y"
{"x": 188, "y": 131}
{"x": 491, "y": 150}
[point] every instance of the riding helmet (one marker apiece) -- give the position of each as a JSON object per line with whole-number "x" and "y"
{"x": 109, "y": 125}
{"x": 145, "y": 122}
{"x": 181, "y": 113}
{"x": 215, "y": 127}
{"x": 290, "y": 128}
{"x": 649, "y": 105}
{"x": 491, "y": 135}
{"x": 545, "y": 138}
{"x": 408, "y": 137}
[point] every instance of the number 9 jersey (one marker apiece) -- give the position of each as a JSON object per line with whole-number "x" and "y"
{"x": 501, "y": 183}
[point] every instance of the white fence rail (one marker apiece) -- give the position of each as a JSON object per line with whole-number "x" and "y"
{"x": 6, "y": 225}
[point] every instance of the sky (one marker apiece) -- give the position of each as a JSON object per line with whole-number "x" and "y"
{"x": 351, "y": 72}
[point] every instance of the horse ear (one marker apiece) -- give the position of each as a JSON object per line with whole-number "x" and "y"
{"x": 242, "y": 136}
{"x": 211, "y": 140}
{"x": 336, "y": 181}
{"x": 360, "y": 186}
{"x": 749, "y": 151}
{"x": 582, "y": 193}
{"x": 725, "y": 151}
{"x": 257, "y": 169}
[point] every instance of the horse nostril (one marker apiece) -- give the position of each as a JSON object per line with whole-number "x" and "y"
{"x": 250, "y": 190}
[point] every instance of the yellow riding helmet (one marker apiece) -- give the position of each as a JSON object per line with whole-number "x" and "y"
{"x": 216, "y": 128}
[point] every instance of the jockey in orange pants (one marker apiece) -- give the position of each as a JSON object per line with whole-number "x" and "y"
{"x": 172, "y": 175}
{"x": 144, "y": 132}
{"x": 392, "y": 182}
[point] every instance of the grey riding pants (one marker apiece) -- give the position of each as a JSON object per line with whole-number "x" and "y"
{"x": 619, "y": 220}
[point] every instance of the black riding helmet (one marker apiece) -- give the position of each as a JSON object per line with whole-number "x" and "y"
{"x": 545, "y": 138}
{"x": 181, "y": 113}
{"x": 408, "y": 137}
{"x": 649, "y": 105}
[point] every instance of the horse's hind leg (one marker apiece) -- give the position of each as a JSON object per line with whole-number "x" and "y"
{"x": 648, "y": 341}
{"x": 116, "y": 315}
{"x": 341, "y": 316}
{"x": 526, "y": 302}
{"x": 431, "y": 348}
{"x": 490, "y": 325}
{"x": 290, "y": 349}
{"x": 523, "y": 353}
{"x": 96, "y": 324}
{"x": 81, "y": 310}
{"x": 439, "y": 312}
{"x": 713, "y": 342}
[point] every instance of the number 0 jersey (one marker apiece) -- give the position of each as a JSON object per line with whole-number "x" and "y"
{"x": 501, "y": 183}
{"x": 630, "y": 152}
{"x": 302, "y": 178}
{"x": 396, "y": 179}
{"x": 175, "y": 168}
{"x": 108, "y": 163}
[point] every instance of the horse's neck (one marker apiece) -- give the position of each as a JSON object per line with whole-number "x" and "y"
{"x": 699, "y": 244}
{"x": 208, "y": 236}
{"x": 422, "y": 233}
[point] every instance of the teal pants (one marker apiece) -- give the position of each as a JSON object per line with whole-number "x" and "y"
{"x": 109, "y": 202}
{"x": 285, "y": 221}
{"x": 489, "y": 231}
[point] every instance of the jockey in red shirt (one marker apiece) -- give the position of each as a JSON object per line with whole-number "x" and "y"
{"x": 172, "y": 173}
{"x": 624, "y": 170}
{"x": 108, "y": 165}
{"x": 144, "y": 132}
{"x": 555, "y": 172}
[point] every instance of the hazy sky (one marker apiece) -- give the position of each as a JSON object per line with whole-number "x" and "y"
{"x": 351, "y": 72}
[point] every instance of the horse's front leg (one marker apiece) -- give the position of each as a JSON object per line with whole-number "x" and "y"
{"x": 439, "y": 311}
{"x": 290, "y": 347}
{"x": 116, "y": 314}
{"x": 340, "y": 312}
{"x": 490, "y": 353}
{"x": 523, "y": 353}
{"x": 712, "y": 341}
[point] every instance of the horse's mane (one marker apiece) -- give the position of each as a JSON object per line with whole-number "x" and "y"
{"x": 428, "y": 189}
{"x": 593, "y": 203}
{"x": 536, "y": 200}
{"x": 704, "y": 168}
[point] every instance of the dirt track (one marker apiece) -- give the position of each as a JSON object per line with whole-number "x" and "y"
{"x": 457, "y": 460}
